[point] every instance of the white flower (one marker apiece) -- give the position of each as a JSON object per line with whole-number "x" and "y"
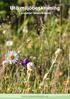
{"x": 25, "y": 29}
{"x": 11, "y": 57}
{"x": 30, "y": 66}
{"x": 9, "y": 43}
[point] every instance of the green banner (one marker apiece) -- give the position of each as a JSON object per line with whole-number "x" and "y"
{"x": 34, "y": 96}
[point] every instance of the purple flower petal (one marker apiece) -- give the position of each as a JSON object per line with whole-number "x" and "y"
{"x": 24, "y": 62}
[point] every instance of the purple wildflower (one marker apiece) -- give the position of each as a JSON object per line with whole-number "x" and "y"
{"x": 24, "y": 61}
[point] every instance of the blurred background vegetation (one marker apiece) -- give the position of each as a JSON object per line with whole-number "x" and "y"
{"x": 5, "y": 14}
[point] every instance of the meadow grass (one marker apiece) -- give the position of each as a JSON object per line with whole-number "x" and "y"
{"x": 49, "y": 52}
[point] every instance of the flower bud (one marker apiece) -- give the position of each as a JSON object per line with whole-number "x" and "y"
{"x": 30, "y": 66}
{"x": 58, "y": 51}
